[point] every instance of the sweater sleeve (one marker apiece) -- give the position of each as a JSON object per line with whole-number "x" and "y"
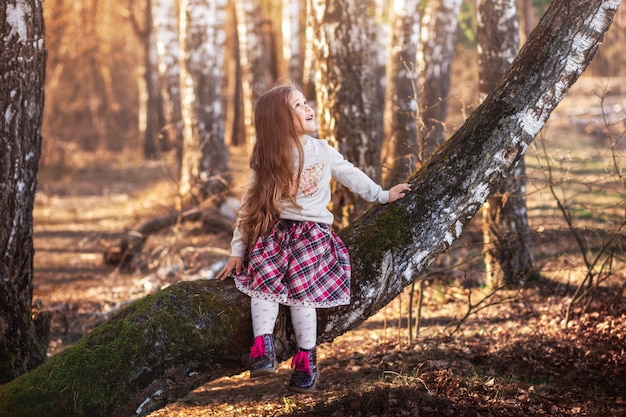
{"x": 355, "y": 180}
{"x": 237, "y": 246}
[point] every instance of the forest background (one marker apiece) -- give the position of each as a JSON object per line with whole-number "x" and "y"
{"x": 96, "y": 167}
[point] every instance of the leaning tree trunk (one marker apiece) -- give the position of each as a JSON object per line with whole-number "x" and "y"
{"x": 507, "y": 247}
{"x": 164, "y": 345}
{"x": 23, "y": 340}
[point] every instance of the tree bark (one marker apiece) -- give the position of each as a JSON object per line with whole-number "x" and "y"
{"x": 256, "y": 60}
{"x": 206, "y": 63}
{"x": 348, "y": 89}
{"x": 507, "y": 247}
{"x": 435, "y": 53}
{"x": 402, "y": 95}
{"x": 23, "y": 334}
{"x": 150, "y": 113}
{"x": 164, "y": 23}
{"x": 162, "y": 346}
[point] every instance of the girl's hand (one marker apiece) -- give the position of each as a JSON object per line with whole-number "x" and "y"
{"x": 234, "y": 263}
{"x": 397, "y": 192}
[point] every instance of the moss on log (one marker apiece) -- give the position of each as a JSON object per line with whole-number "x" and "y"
{"x": 185, "y": 328}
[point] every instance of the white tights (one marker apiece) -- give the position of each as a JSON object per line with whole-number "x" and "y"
{"x": 303, "y": 319}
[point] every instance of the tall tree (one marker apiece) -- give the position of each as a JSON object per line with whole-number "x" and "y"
{"x": 258, "y": 69}
{"x": 165, "y": 28}
{"x": 438, "y": 32}
{"x": 204, "y": 158}
{"x": 23, "y": 334}
{"x": 402, "y": 95}
{"x": 507, "y": 249}
{"x": 234, "y": 126}
{"x": 150, "y": 113}
{"x": 348, "y": 90}
{"x": 159, "y": 348}
{"x": 294, "y": 16}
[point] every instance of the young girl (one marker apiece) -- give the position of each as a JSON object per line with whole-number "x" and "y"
{"x": 283, "y": 250}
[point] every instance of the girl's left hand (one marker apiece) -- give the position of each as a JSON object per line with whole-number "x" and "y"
{"x": 233, "y": 265}
{"x": 398, "y": 191}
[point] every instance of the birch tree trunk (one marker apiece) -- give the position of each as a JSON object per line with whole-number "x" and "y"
{"x": 256, "y": 62}
{"x": 234, "y": 127}
{"x": 293, "y": 12}
{"x": 161, "y": 347}
{"x": 149, "y": 114}
{"x": 438, "y": 32}
{"x": 165, "y": 28}
{"x": 23, "y": 332}
{"x": 402, "y": 95}
{"x": 207, "y": 66}
{"x": 204, "y": 162}
{"x": 507, "y": 247}
{"x": 348, "y": 91}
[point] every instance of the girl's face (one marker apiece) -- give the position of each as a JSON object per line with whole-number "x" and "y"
{"x": 304, "y": 117}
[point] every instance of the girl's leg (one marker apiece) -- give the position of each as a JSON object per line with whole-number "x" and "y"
{"x": 262, "y": 355}
{"x": 306, "y": 373}
{"x": 264, "y": 314}
{"x": 304, "y": 321}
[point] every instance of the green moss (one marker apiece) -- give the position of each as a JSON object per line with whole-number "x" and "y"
{"x": 184, "y": 323}
{"x": 369, "y": 242}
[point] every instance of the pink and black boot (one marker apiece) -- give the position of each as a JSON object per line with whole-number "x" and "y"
{"x": 305, "y": 371}
{"x": 262, "y": 356}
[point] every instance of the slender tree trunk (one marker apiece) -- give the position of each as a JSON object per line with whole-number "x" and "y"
{"x": 159, "y": 348}
{"x": 165, "y": 28}
{"x": 529, "y": 17}
{"x": 204, "y": 167}
{"x": 294, "y": 12}
{"x": 190, "y": 149}
{"x": 150, "y": 114}
{"x": 207, "y": 66}
{"x": 23, "y": 331}
{"x": 256, "y": 60}
{"x": 234, "y": 129}
{"x": 438, "y": 32}
{"x": 402, "y": 97}
{"x": 507, "y": 249}
{"x": 348, "y": 91}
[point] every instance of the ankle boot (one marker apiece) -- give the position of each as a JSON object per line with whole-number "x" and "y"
{"x": 305, "y": 371}
{"x": 262, "y": 356}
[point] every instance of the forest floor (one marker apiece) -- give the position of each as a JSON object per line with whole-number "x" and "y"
{"x": 509, "y": 353}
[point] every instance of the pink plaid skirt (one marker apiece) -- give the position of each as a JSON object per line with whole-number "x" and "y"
{"x": 297, "y": 264}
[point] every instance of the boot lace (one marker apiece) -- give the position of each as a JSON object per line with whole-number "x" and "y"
{"x": 258, "y": 348}
{"x": 301, "y": 362}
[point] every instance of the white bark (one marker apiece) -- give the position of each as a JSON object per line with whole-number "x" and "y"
{"x": 348, "y": 89}
{"x": 438, "y": 32}
{"x": 402, "y": 97}
{"x": 165, "y": 27}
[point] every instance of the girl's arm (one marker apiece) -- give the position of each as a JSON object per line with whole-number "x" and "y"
{"x": 360, "y": 183}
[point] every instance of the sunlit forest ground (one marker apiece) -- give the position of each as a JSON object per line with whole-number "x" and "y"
{"x": 512, "y": 353}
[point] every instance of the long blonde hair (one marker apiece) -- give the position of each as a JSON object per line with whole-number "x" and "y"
{"x": 273, "y": 163}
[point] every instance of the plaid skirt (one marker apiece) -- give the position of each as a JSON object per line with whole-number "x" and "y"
{"x": 297, "y": 264}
